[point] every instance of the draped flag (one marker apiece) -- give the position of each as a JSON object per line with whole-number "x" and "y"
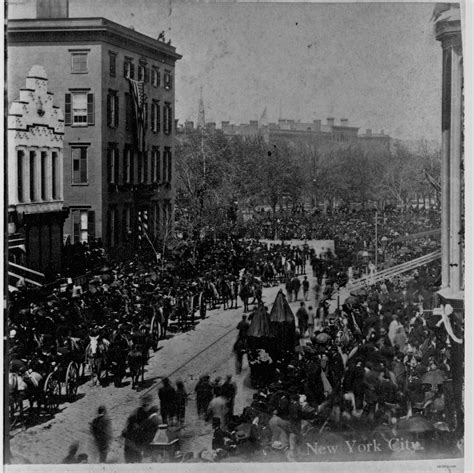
{"x": 137, "y": 91}
{"x": 142, "y": 222}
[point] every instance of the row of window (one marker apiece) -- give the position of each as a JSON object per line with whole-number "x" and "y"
{"x": 150, "y": 168}
{"x": 79, "y": 65}
{"x": 134, "y": 168}
{"x": 30, "y": 166}
{"x": 144, "y": 73}
{"x": 152, "y": 115}
{"x": 123, "y": 225}
{"x": 79, "y": 111}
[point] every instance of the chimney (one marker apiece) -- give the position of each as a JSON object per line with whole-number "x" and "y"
{"x": 211, "y": 126}
{"x": 225, "y": 125}
{"x": 189, "y": 125}
{"x": 330, "y": 121}
{"x": 382, "y": 132}
{"x": 344, "y": 122}
{"x": 317, "y": 125}
{"x": 368, "y": 132}
{"x": 253, "y": 124}
{"x": 52, "y": 9}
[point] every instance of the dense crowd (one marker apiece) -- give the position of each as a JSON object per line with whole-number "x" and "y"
{"x": 368, "y": 369}
{"x": 46, "y": 325}
{"x": 358, "y": 227}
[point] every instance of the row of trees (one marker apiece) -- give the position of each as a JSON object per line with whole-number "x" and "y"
{"x": 213, "y": 171}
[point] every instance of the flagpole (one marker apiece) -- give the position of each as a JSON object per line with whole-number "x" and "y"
{"x": 151, "y": 244}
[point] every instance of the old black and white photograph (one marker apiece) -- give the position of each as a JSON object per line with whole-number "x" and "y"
{"x": 234, "y": 233}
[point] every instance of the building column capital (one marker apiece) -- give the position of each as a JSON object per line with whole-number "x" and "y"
{"x": 449, "y": 34}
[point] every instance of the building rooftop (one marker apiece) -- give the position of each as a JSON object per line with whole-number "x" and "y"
{"x": 41, "y": 30}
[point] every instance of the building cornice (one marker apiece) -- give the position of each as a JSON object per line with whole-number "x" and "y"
{"x": 87, "y": 30}
{"x": 449, "y": 33}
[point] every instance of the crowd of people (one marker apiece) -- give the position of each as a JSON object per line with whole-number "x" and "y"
{"x": 360, "y": 371}
{"x": 379, "y": 368}
{"x": 53, "y": 324}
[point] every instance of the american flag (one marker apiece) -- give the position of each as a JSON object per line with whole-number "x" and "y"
{"x": 137, "y": 91}
{"x": 142, "y": 223}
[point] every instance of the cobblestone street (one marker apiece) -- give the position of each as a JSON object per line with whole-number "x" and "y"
{"x": 205, "y": 350}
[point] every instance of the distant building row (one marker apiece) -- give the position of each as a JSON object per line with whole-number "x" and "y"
{"x": 294, "y": 130}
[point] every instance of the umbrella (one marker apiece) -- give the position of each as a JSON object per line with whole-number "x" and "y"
{"x": 281, "y": 310}
{"x": 415, "y": 424}
{"x": 260, "y": 324}
{"x": 433, "y": 377}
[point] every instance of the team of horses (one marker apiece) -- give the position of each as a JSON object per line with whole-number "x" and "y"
{"x": 115, "y": 352}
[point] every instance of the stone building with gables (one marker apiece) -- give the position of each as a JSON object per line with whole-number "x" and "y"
{"x": 35, "y": 186}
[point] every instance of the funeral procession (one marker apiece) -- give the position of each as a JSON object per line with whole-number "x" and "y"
{"x": 203, "y": 263}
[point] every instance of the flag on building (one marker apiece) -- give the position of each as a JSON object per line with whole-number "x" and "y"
{"x": 137, "y": 91}
{"x": 142, "y": 224}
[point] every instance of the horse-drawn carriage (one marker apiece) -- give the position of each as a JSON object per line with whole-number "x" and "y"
{"x": 45, "y": 387}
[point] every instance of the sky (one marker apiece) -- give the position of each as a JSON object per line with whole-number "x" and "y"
{"x": 376, "y": 64}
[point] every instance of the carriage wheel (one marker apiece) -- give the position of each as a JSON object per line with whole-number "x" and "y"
{"x": 52, "y": 392}
{"x": 72, "y": 379}
{"x": 155, "y": 332}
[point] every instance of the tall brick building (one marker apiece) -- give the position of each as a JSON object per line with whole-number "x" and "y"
{"x": 109, "y": 180}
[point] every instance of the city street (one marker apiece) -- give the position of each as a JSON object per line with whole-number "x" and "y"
{"x": 165, "y": 158}
{"x": 185, "y": 356}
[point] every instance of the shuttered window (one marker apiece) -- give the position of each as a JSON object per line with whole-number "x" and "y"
{"x": 79, "y": 109}
{"x": 112, "y": 109}
{"x": 79, "y": 165}
{"x": 79, "y": 63}
{"x": 90, "y": 109}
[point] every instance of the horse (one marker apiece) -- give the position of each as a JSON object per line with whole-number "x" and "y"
{"x": 117, "y": 359}
{"x": 225, "y": 292}
{"x": 245, "y": 293}
{"x": 138, "y": 355}
{"x": 16, "y": 394}
{"x": 136, "y": 363}
{"x": 211, "y": 295}
{"x": 27, "y": 386}
{"x": 234, "y": 293}
{"x": 96, "y": 357}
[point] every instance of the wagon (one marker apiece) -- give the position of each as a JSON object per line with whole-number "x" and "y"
{"x": 60, "y": 379}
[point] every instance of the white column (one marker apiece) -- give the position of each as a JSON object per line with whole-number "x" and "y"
{"x": 455, "y": 171}
{"x": 60, "y": 176}
{"x": 49, "y": 175}
{"x": 445, "y": 185}
{"x": 37, "y": 171}
{"x": 13, "y": 197}
{"x": 26, "y": 176}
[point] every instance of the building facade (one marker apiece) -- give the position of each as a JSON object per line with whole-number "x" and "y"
{"x": 35, "y": 186}
{"x": 297, "y": 132}
{"x": 448, "y": 32}
{"x": 118, "y": 167}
